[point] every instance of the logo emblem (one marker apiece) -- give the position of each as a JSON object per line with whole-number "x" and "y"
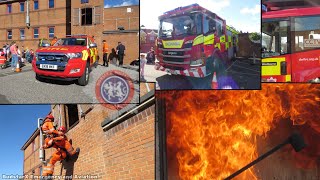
{"x": 114, "y": 89}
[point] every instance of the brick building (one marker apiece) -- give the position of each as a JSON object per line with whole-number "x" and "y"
{"x": 114, "y": 144}
{"x": 49, "y": 18}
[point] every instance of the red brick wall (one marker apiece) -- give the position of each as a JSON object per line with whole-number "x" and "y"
{"x": 129, "y": 148}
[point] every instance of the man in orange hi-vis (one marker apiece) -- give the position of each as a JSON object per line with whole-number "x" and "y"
{"x": 63, "y": 149}
{"x": 105, "y": 51}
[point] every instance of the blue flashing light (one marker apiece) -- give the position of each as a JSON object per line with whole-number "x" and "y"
{"x": 264, "y": 8}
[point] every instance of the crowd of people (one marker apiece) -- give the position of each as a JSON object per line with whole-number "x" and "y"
{"x": 13, "y": 54}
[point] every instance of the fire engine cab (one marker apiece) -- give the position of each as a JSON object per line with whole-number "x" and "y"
{"x": 70, "y": 58}
{"x": 194, "y": 42}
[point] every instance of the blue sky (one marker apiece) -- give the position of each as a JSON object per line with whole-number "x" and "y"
{"x": 117, "y": 3}
{"x": 244, "y": 15}
{"x": 18, "y": 122}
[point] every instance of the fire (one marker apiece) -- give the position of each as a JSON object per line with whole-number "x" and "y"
{"x": 212, "y": 134}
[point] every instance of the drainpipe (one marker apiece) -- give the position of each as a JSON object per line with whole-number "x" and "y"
{"x": 41, "y": 150}
{"x": 28, "y": 16}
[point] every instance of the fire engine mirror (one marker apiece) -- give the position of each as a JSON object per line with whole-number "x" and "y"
{"x": 92, "y": 45}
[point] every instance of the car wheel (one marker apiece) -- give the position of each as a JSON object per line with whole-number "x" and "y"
{"x": 84, "y": 79}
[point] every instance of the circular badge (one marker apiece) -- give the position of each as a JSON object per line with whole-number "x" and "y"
{"x": 114, "y": 89}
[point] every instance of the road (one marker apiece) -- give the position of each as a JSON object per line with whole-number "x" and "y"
{"x": 244, "y": 74}
{"x": 23, "y": 88}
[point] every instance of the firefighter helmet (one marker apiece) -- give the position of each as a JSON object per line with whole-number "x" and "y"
{"x": 49, "y": 117}
{"x": 62, "y": 129}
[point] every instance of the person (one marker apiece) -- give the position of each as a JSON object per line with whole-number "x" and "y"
{"x": 105, "y": 50}
{"x": 120, "y": 52}
{"x": 54, "y": 40}
{"x": 143, "y": 61}
{"x": 63, "y": 150}
{"x": 20, "y": 60}
{"x": 113, "y": 57}
{"x": 14, "y": 55}
{"x": 151, "y": 56}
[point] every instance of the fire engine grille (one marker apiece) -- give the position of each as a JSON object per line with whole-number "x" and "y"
{"x": 53, "y": 57}
{"x": 170, "y": 59}
{"x": 173, "y": 53}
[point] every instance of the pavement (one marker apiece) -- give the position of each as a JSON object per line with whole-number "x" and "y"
{"x": 23, "y": 88}
{"x": 245, "y": 73}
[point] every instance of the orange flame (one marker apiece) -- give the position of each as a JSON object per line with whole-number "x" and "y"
{"x": 212, "y": 134}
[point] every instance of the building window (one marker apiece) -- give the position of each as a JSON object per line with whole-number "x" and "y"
{"x": 86, "y": 16}
{"x": 51, "y": 32}
{"x": 84, "y": 1}
{"x": 73, "y": 116}
{"x": 22, "y": 34}
{"x": 36, "y": 33}
{"x": 51, "y": 3}
{"x": 9, "y": 34}
{"x": 36, "y": 5}
{"x": 9, "y": 8}
{"x": 22, "y": 7}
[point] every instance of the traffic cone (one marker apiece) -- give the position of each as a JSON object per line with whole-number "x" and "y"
{"x": 18, "y": 67}
{"x": 214, "y": 83}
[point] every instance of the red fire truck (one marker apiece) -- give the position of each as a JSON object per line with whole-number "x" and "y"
{"x": 70, "y": 58}
{"x": 291, "y": 45}
{"x": 194, "y": 42}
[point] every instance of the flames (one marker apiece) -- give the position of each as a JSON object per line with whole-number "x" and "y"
{"x": 212, "y": 134}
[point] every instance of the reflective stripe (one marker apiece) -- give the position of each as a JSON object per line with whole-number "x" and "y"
{"x": 223, "y": 39}
{"x": 288, "y": 78}
{"x": 218, "y": 46}
{"x": 198, "y": 40}
{"x": 85, "y": 55}
{"x": 208, "y": 39}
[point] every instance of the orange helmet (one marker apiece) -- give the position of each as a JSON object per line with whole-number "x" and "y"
{"x": 49, "y": 117}
{"x": 62, "y": 129}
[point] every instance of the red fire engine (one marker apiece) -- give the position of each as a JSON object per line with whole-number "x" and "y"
{"x": 291, "y": 45}
{"x": 70, "y": 58}
{"x": 194, "y": 42}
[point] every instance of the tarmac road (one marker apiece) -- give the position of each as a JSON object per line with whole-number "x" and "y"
{"x": 23, "y": 88}
{"x": 243, "y": 73}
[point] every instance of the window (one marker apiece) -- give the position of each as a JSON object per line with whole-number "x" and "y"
{"x": 73, "y": 116}
{"x": 275, "y": 40}
{"x": 36, "y": 4}
{"x": 306, "y": 33}
{"x": 86, "y": 16}
{"x": 22, "y": 7}
{"x": 84, "y": 1}
{"x": 9, "y": 8}
{"x": 22, "y": 34}
{"x": 9, "y": 32}
{"x": 51, "y": 32}
{"x": 51, "y": 3}
{"x": 209, "y": 25}
{"x": 36, "y": 33}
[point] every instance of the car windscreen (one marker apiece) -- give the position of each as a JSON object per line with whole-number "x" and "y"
{"x": 71, "y": 42}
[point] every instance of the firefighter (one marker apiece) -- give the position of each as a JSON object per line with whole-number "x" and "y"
{"x": 63, "y": 149}
{"x": 48, "y": 128}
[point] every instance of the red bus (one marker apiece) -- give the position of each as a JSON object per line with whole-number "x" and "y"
{"x": 291, "y": 45}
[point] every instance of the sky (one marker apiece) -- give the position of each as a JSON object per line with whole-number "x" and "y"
{"x": 244, "y": 15}
{"x": 118, "y": 3}
{"x": 18, "y": 122}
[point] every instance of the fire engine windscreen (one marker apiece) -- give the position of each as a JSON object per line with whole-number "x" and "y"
{"x": 71, "y": 42}
{"x": 274, "y": 38}
{"x": 180, "y": 26}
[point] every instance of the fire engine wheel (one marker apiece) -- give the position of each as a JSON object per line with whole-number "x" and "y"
{"x": 84, "y": 79}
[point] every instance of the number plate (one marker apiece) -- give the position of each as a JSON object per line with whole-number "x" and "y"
{"x": 48, "y": 66}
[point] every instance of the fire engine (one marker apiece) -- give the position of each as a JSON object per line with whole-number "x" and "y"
{"x": 194, "y": 42}
{"x": 70, "y": 58}
{"x": 290, "y": 44}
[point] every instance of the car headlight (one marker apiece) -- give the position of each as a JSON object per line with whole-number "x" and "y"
{"x": 74, "y": 55}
